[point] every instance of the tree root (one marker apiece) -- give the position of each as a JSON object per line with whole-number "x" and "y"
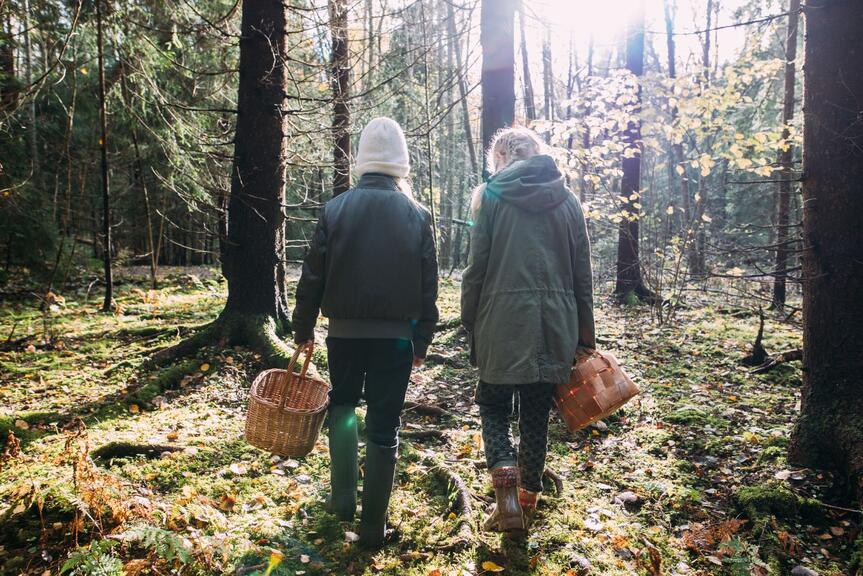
{"x": 258, "y": 332}
{"x": 556, "y": 479}
{"x": 461, "y": 505}
{"x": 787, "y": 356}
{"x": 452, "y": 361}
{"x": 113, "y": 450}
{"x": 426, "y": 409}
{"x": 422, "y": 434}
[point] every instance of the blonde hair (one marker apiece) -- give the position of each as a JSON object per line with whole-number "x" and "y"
{"x": 507, "y": 146}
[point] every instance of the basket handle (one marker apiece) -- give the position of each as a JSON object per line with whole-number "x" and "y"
{"x": 308, "y": 347}
{"x": 594, "y": 353}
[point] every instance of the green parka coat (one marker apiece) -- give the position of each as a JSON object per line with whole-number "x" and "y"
{"x": 527, "y": 293}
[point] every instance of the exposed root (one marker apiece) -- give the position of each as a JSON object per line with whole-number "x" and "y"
{"x": 422, "y": 435}
{"x": 556, "y": 479}
{"x": 258, "y": 332}
{"x": 453, "y": 361}
{"x": 461, "y": 505}
{"x": 126, "y": 449}
{"x": 787, "y": 356}
{"x": 426, "y": 409}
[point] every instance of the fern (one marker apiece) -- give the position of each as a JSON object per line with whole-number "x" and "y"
{"x": 93, "y": 560}
{"x": 164, "y": 543}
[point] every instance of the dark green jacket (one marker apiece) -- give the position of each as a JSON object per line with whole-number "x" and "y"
{"x": 371, "y": 268}
{"x": 527, "y": 293}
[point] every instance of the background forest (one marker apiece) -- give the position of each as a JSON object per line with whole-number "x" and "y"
{"x": 678, "y": 123}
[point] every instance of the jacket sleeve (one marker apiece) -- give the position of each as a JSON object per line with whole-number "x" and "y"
{"x": 425, "y": 327}
{"x": 474, "y": 275}
{"x": 583, "y": 283}
{"x": 310, "y": 288}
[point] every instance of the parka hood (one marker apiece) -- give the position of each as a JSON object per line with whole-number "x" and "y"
{"x": 534, "y": 185}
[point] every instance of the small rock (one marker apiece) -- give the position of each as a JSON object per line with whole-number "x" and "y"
{"x": 352, "y": 536}
{"x": 802, "y": 571}
{"x": 303, "y": 479}
{"x": 626, "y": 497}
{"x": 582, "y": 564}
{"x": 600, "y": 425}
{"x": 593, "y": 524}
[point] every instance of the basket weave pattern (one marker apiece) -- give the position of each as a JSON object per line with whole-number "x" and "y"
{"x": 287, "y": 410}
{"x": 597, "y": 387}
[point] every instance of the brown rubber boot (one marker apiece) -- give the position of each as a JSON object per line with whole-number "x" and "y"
{"x": 507, "y": 515}
{"x": 528, "y": 501}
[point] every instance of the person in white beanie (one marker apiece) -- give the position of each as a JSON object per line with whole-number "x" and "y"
{"x": 372, "y": 271}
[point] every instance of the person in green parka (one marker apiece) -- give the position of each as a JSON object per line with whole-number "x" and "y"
{"x": 527, "y": 305}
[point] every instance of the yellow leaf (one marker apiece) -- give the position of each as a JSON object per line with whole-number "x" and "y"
{"x": 275, "y": 559}
{"x": 84, "y": 70}
{"x": 679, "y": 169}
{"x": 205, "y": 367}
{"x": 134, "y": 409}
{"x": 490, "y": 566}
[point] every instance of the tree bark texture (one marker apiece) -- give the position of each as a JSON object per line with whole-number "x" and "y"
{"x": 103, "y": 150}
{"x": 628, "y": 265}
{"x": 497, "y": 22}
{"x": 829, "y": 432}
{"x": 254, "y": 251}
{"x": 786, "y": 159}
{"x": 341, "y": 79}
{"x": 527, "y": 81}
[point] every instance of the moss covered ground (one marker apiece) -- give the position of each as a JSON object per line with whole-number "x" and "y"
{"x": 111, "y": 466}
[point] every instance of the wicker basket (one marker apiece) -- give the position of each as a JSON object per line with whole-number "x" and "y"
{"x": 286, "y": 410}
{"x": 596, "y": 388}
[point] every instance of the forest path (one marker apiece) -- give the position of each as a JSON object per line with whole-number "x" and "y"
{"x": 662, "y": 487}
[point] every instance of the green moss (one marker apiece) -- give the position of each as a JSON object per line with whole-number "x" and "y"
{"x": 774, "y": 498}
{"x": 35, "y": 420}
{"x": 771, "y": 453}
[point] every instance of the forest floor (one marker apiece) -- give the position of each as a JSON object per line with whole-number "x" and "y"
{"x": 146, "y": 469}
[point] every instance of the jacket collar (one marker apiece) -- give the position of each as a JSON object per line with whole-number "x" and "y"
{"x": 377, "y": 181}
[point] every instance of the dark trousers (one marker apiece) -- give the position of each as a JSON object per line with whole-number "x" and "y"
{"x": 495, "y": 410}
{"x": 377, "y": 370}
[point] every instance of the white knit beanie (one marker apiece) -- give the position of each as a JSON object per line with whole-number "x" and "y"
{"x": 383, "y": 149}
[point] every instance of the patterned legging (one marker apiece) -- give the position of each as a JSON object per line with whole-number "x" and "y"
{"x": 495, "y": 409}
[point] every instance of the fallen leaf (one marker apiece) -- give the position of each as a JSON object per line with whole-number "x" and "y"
{"x": 173, "y": 435}
{"x": 304, "y": 558}
{"x": 351, "y": 536}
{"x": 22, "y": 424}
{"x": 134, "y": 408}
{"x": 238, "y": 468}
{"x": 837, "y": 530}
{"x": 490, "y": 566}
{"x": 205, "y": 367}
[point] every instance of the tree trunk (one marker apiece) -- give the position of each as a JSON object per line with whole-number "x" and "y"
{"x": 498, "y": 77}
{"x": 527, "y": 81}
{"x": 103, "y": 149}
{"x": 676, "y": 147}
{"x": 829, "y": 432}
{"x": 341, "y": 79}
{"x": 462, "y": 89}
{"x": 786, "y": 159}
{"x": 253, "y": 258}
{"x": 697, "y": 261}
{"x": 8, "y": 82}
{"x": 28, "y": 79}
{"x": 547, "y": 77}
{"x": 629, "y": 279}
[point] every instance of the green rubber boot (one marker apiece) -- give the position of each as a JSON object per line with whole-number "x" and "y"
{"x": 377, "y": 488}
{"x": 342, "y": 500}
